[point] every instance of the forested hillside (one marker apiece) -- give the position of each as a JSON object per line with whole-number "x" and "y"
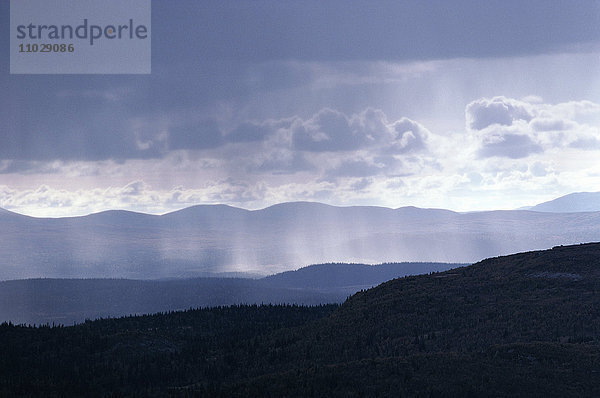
{"x": 521, "y": 325}
{"x": 69, "y": 301}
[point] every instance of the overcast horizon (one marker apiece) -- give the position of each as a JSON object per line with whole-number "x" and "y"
{"x": 461, "y": 105}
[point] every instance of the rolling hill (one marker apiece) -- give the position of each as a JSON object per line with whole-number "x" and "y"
{"x": 203, "y": 240}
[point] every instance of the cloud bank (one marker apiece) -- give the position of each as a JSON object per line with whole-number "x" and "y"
{"x": 510, "y": 128}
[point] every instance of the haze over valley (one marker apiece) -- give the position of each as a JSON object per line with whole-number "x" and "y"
{"x": 69, "y": 301}
{"x": 213, "y": 240}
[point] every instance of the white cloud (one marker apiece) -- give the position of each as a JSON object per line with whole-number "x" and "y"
{"x": 506, "y": 127}
{"x": 137, "y": 196}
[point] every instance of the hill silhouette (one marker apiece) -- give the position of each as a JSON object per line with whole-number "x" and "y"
{"x": 522, "y": 325}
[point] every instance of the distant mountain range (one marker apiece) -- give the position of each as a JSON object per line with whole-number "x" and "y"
{"x": 574, "y": 202}
{"x": 66, "y": 301}
{"x": 207, "y": 240}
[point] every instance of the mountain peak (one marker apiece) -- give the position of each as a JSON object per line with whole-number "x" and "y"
{"x": 196, "y": 209}
{"x": 4, "y": 212}
{"x": 571, "y": 203}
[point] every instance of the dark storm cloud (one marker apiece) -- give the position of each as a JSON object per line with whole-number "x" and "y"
{"x": 348, "y": 29}
{"x": 24, "y": 167}
{"x": 206, "y": 52}
{"x": 202, "y": 135}
{"x": 70, "y": 117}
{"x": 67, "y": 136}
{"x": 249, "y": 132}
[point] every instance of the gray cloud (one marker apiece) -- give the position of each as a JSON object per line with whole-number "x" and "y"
{"x": 45, "y": 127}
{"x": 252, "y": 131}
{"x": 249, "y": 132}
{"x": 547, "y": 124}
{"x": 514, "y": 146}
{"x": 134, "y": 188}
{"x": 538, "y": 169}
{"x": 586, "y": 143}
{"x": 348, "y": 30}
{"x": 361, "y": 184}
{"x": 277, "y": 146}
{"x": 203, "y": 135}
{"x": 332, "y": 131}
{"x": 68, "y": 141}
{"x": 498, "y": 110}
{"x": 355, "y": 168}
{"x": 329, "y": 143}
{"x": 409, "y": 136}
{"x": 26, "y": 167}
{"x": 283, "y": 162}
{"x": 328, "y": 130}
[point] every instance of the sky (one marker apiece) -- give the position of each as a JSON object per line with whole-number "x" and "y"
{"x": 464, "y": 105}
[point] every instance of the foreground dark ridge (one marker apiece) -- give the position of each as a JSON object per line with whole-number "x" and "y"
{"x": 521, "y": 325}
